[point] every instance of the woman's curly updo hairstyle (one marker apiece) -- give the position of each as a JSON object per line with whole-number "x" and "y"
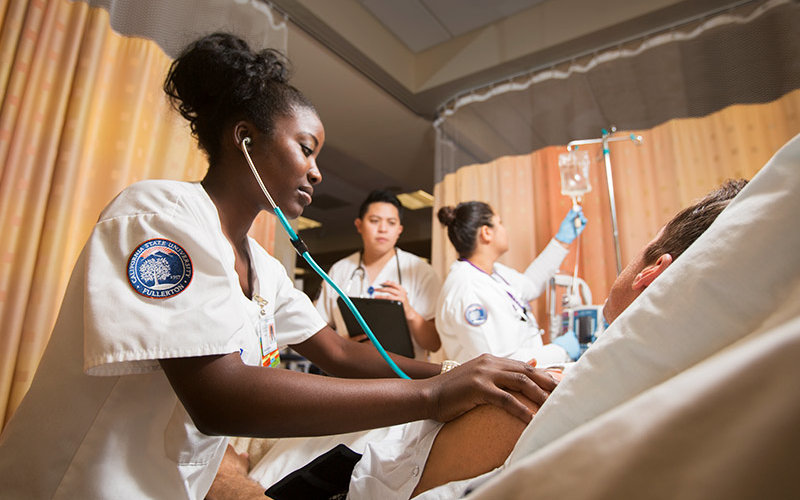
{"x": 463, "y": 222}
{"x": 218, "y": 80}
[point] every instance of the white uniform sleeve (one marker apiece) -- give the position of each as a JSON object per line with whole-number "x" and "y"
{"x": 427, "y": 288}
{"x": 127, "y": 332}
{"x": 463, "y": 340}
{"x": 543, "y": 267}
{"x": 296, "y": 319}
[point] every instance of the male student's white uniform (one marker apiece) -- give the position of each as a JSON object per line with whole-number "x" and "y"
{"x": 100, "y": 419}
{"x": 477, "y": 313}
{"x": 418, "y": 278}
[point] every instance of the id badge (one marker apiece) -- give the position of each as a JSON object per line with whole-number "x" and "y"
{"x": 267, "y": 339}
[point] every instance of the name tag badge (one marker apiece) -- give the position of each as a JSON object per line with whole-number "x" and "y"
{"x": 270, "y": 354}
{"x": 267, "y": 339}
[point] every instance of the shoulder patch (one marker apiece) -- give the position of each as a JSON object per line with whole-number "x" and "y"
{"x": 159, "y": 268}
{"x": 476, "y": 315}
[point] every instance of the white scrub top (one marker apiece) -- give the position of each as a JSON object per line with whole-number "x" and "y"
{"x": 419, "y": 279}
{"x": 155, "y": 280}
{"x": 481, "y": 313}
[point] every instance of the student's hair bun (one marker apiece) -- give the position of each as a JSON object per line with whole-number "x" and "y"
{"x": 220, "y": 70}
{"x": 447, "y": 215}
{"x": 219, "y": 79}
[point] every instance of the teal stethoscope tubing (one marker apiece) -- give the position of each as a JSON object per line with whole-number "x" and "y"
{"x": 302, "y": 250}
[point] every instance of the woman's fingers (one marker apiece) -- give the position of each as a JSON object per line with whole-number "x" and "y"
{"x": 491, "y": 380}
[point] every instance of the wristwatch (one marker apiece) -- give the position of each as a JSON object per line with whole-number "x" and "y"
{"x": 449, "y": 364}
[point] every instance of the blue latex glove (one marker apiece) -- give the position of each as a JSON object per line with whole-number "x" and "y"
{"x": 569, "y": 342}
{"x": 567, "y": 232}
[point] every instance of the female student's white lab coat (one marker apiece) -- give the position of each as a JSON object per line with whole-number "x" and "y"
{"x": 481, "y": 313}
{"x": 101, "y": 419}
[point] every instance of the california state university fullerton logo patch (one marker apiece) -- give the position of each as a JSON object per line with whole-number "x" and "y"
{"x": 159, "y": 268}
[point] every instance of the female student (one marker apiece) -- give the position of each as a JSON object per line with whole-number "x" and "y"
{"x": 173, "y": 316}
{"x": 483, "y": 306}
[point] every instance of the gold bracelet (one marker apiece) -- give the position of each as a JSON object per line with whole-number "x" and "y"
{"x": 449, "y": 364}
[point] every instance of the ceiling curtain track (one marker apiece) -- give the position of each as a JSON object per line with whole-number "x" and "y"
{"x": 748, "y": 55}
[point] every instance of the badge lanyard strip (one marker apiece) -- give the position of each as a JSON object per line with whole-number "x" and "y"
{"x": 302, "y": 250}
{"x": 511, "y": 295}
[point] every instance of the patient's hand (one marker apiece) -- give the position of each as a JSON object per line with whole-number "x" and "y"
{"x": 232, "y": 482}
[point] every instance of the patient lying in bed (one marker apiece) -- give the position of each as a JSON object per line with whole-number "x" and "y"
{"x": 482, "y": 439}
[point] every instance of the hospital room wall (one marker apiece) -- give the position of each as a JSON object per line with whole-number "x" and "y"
{"x": 677, "y": 162}
{"x": 83, "y": 115}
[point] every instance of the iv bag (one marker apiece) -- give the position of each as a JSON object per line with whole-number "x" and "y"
{"x": 574, "y": 167}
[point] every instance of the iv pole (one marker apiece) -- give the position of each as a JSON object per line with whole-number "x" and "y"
{"x": 605, "y": 139}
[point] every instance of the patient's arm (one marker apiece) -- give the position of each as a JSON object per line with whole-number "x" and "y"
{"x": 231, "y": 482}
{"x": 473, "y": 444}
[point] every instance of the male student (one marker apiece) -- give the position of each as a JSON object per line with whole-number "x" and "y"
{"x": 381, "y": 270}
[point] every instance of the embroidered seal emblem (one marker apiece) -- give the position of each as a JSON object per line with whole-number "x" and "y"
{"x": 476, "y": 315}
{"x": 159, "y": 268}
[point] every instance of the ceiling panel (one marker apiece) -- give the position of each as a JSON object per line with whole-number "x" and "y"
{"x": 463, "y": 16}
{"x": 410, "y": 21}
{"x": 422, "y": 24}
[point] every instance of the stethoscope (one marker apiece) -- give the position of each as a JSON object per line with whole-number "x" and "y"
{"x": 302, "y": 250}
{"x": 361, "y": 272}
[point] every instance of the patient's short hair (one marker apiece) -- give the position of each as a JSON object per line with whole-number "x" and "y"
{"x": 693, "y": 221}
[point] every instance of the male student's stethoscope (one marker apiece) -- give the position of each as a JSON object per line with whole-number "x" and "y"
{"x": 361, "y": 271}
{"x": 302, "y": 250}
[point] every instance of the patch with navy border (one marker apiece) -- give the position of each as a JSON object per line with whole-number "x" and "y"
{"x": 476, "y": 315}
{"x": 159, "y": 268}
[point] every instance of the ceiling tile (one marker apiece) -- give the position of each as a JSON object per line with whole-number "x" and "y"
{"x": 409, "y": 21}
{"x": 462, "y": 16}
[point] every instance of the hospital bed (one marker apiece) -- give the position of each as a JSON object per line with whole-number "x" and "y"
{"x": 693, "y": 391}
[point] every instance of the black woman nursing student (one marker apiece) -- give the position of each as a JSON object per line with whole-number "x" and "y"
{"x": 173, "y": 315}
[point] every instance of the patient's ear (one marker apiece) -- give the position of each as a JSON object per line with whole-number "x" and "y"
{"x": 651, "y": 272}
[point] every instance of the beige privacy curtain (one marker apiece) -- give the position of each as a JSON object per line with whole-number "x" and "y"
{"x": 713, "y": 98}
{"x": 677, "y": 163}
{"x": 82, "y": 116}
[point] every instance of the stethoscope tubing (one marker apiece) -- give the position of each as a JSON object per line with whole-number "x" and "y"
{"x": 301, "y": 249}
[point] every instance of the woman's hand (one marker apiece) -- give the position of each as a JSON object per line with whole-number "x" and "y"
{"x": 488, "y": 380}
{"x": 423, "y": 331}
{"x": 393, "y": 291}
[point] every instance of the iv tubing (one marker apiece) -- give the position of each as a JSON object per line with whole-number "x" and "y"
{"x": 301, "y": 249}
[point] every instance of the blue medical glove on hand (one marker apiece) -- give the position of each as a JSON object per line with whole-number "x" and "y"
{"x": 569, "y": 342}
{"x": 567, "y": 232}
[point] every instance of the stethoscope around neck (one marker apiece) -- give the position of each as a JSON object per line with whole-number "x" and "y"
{"x": 361, "y": 273}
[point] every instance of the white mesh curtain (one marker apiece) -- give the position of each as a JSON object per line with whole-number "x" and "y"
{"x": 172, "y": 24}
{"x": 747, "y": 55}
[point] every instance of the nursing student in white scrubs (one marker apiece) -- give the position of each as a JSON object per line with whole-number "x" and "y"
{"x": 170, "y": 329}
{"x": 483, "y": 306}
{"x": 382, "y": 271}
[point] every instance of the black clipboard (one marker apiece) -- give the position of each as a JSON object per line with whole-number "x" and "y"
{"x": 385, "y": 318}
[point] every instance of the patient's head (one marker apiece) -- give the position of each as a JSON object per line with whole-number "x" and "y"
{"x": 670, "y": 242}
